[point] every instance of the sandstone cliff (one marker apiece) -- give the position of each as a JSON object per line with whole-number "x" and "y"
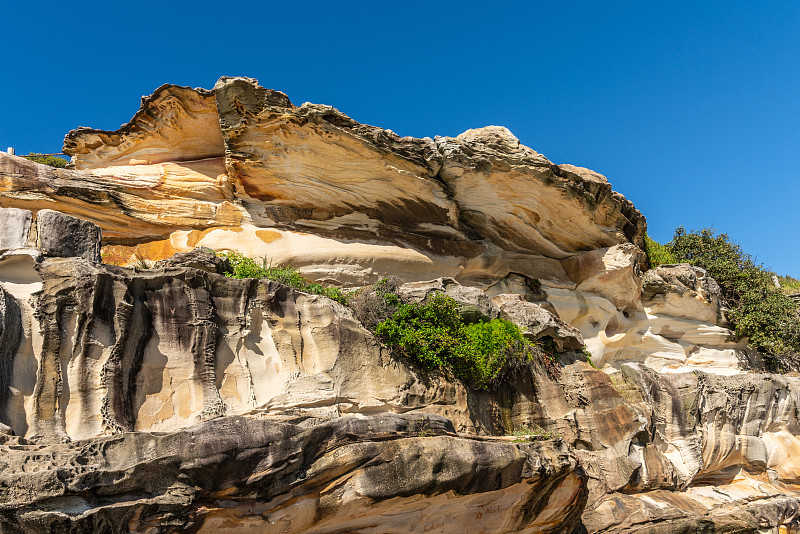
{"x": 174, "y": 398}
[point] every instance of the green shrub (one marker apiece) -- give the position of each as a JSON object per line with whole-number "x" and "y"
{"x": 433, "y": 334}
{"x": 657, "y": 253}
{"x": 241, "y": 266}
{"x": 428, "y": 332}
{"x": 759, "y": 310}
{"x": 52, "y": 161}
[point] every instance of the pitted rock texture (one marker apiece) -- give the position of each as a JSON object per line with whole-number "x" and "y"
{"x": 174, "y": 398}
{"x": 386, "y": 473}
{"x": 108, "y": 356}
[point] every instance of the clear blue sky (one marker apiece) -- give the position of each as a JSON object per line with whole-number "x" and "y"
{"x": 691, "y": 109}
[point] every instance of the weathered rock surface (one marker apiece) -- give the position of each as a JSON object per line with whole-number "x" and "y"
{"x": 536, "y": 322}
{"x": 133, "y": 203}
{"x": 107, "y": 349}
{"x": 63, "y": 236}
{"x": 682, "y": 291}
{"x": 386, "y": 473}
{"x": 241, "y": 167}
{"x": 726, "y": 443}
{"x": 15, "y": 228}
{"x": 173, "y": 398}
{"x": 677, "y": 326}
{"x": 119, "y": 354}
{"x": 173, "y": 124}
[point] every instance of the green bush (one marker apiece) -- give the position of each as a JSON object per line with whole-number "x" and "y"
{"x": 241, "y": 266}
{"x": 759, "y": 310}
{"x": 52, "y": 161}
{"x": 657, "y": 253}
{"x": 433, "y": 334}
{"x": 493, "y": 351}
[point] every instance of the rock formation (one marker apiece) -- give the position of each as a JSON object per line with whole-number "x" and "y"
{"x": 176, "y": 399}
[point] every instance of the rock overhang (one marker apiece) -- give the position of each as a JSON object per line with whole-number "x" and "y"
{"x": 476, "y": 207}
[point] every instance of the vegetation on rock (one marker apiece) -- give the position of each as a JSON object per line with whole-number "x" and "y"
{"x": 789, "y": 284}
{"x": 434, "y": 334}
{"x": 534, "y": 433}
{"x": 240, "y": 266}
{"x": 657, "y": 253}
{"x": 52, "y": 161}
{"x": 758, "y": 309}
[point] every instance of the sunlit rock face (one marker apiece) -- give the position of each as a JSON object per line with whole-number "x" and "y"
{"x": 174, "y": 399}
{"x": 242, "y": 167}
{"x": 696, "y": 451}
{"x": 173, "y": 124}
{"x": 675, "y": 324}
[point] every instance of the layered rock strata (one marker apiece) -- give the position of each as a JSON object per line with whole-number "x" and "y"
{"x": 241, "y": 166}
{"x": 172, "y": 398}
{"x": 386, "y": 473}
{"x": 127, "y": 353}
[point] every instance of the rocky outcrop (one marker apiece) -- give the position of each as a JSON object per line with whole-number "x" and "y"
{"x": 708, "y": 452}
{"x": 386, "y": 473}
{"x": 684, "y": 291}
{"x": 107, "y": 349}
{"x": 679, "y": 325}
{"x": 173, "y": 124}
{"x": 250, "y": 372}
{"x": 167, "y": 397}
{"x": 134, "y": 203}
{"x": 241, "y": 167}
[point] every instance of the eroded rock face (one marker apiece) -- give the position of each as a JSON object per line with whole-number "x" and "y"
{"x": 723, "y": 441}
{"x": 386, "y": 473}
{"x": 108, "y": 355}
{"x": 107, "y": 349}
{"x": 174, "y": 398}
{"x": 130, "y": 202}
{"x": 682, "y": 290}
{"x": 676, "y": 324}
{"x": 241, "y": 167}
{"x": 173, "y": 124}
{"x": 166, "y": 348}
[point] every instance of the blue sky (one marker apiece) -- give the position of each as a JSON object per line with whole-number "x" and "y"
{"x": 691, "y": 109}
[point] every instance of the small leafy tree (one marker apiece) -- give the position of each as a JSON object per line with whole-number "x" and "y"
{"x": 759, "y": 310}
